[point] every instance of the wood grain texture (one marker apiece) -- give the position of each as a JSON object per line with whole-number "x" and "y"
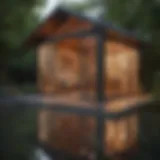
{"x": 77, "y": 135}
{"x": 64, "y": 70}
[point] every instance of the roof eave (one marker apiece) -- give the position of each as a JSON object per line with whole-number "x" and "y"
{"x": 107, "y": 26}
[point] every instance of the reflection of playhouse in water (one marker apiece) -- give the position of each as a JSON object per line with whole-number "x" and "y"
{"x": 67, "y": 70}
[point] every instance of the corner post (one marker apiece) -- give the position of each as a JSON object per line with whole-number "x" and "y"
{"x": 100, "y": 92}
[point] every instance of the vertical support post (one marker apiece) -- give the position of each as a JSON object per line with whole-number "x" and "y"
{"x": 100, "y": 94}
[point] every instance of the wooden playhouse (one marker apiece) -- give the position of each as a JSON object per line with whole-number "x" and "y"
{"x": 89, "y": 63}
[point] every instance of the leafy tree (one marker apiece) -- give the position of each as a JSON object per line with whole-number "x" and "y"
{"x": 17, "y": 126}
{"x": 17, "y": 19}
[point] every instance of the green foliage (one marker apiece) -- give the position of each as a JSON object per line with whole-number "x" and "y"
{"x": 17, "y": 19}
{"x": 18, "y": 127}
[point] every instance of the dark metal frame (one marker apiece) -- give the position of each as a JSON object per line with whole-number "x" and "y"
{"x": 98, "y": 33}
{"x": 40, "y": 102}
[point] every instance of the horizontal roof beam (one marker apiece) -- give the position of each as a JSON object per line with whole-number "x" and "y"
{"x": 76, "y": 34}
{"x": 39, "y": 102}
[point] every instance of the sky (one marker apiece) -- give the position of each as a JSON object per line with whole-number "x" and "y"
{"x": 51, "y": 4}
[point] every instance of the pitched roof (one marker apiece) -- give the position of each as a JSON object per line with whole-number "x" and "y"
{"x": 69, "y": 21}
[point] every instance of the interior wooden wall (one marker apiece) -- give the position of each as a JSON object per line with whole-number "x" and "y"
{"x": 68, "y": 62}
{"x": 59, "y": 65}
{"x": 121, "y": 67}
{"x": 45, "y": 78}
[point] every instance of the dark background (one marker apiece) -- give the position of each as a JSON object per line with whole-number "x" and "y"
{"x": 18, "y": 67}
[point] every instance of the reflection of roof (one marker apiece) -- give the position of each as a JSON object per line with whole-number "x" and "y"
{"x": 62, "y": 21}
